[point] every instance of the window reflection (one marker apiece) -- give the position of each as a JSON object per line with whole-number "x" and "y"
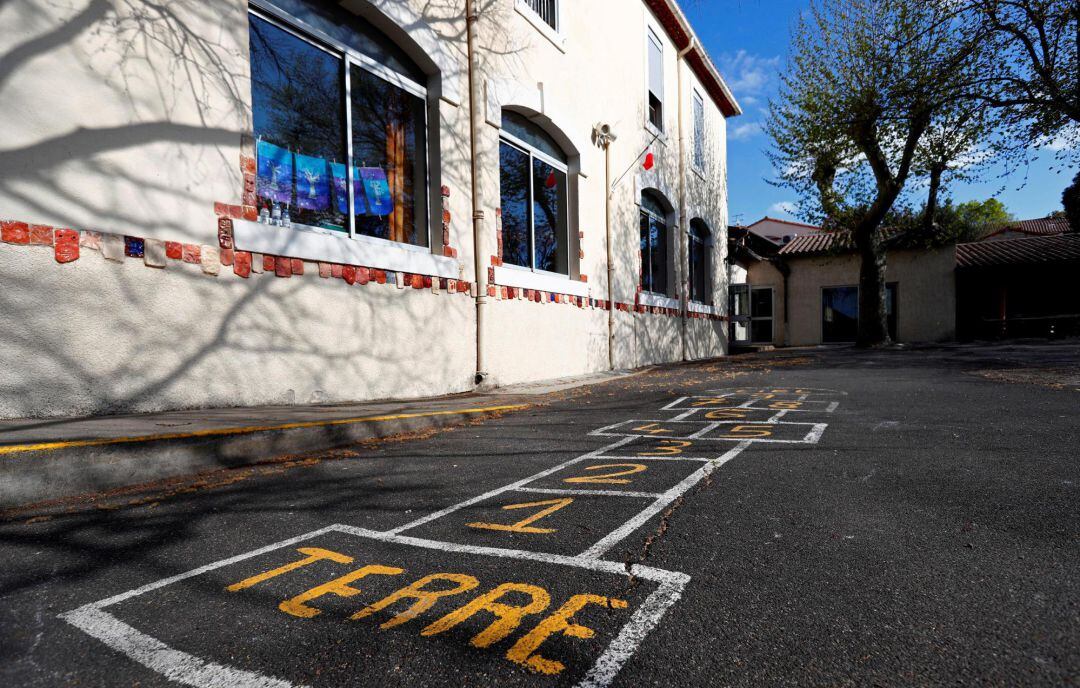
{"x": 388, "y": 150}
{"x": 549, "y": 213}
{"x": 654, "y": 243}
{"x": 298, "y": 109}
{"x": 533, "y": 187}
{"x": 514, "y": 191}
{"x": 292, "y": 82}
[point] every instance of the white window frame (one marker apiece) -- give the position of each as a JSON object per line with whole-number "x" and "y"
{"x": 317, "y": 243}
{"x": 555, "y": 34}
{"x": 698, "y": 151}
{"x": 669, "y": 264}
{"x": 653, "y": 37}
{"x": 706, "y": 249}
{"x": 532, "y": 152}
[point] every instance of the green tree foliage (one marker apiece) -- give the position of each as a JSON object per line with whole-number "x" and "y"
{"x": 874, "y": 95}
{"x": 1071, "y": 200}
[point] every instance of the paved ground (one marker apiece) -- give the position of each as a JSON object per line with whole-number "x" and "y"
{"x": 807, "y": 518}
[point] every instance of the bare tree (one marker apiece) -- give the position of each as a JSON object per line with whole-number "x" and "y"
{"x": 872, "y": 97}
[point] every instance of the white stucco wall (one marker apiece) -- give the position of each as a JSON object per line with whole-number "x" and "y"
{"x": 129, "y": 118}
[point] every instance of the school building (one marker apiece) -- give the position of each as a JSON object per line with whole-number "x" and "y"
{"x": 293, "y": 201}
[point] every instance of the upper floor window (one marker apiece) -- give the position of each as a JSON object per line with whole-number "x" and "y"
{"x": 699, "y": 262}
{"x": 547, "y": 10}
{"x": 654, "y": 245}
{"x": 533, "y": 196}
{"x": 699, "y": 131}
{"x": 656, "y": 80}
{"x": 314, "y": 169}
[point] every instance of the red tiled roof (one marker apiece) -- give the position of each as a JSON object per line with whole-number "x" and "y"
{"x": 1043, "y": 226}
{"x": 815, "y": 242}
{"x": 785, "y": 222}
{"x": 1060, "y": 248}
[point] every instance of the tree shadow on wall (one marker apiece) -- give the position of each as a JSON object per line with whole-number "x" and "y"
{"x": 172, "y": 80}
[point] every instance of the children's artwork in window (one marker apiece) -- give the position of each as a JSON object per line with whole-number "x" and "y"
{"x": 312, "y": 184}
{"x": 377, "y": 191}
{"x": 341, "y": 189}
{"x": 275, "y": 172}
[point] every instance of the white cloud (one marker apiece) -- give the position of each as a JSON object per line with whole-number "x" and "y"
{"x": 1064, "y": 141}
{"x": 741, "y": 132}
{"x": 782, "y": 208}
{"x": 749, "y": 75}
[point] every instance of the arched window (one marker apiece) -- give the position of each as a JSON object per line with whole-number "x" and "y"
{"x": 533, "y": 196}
{"x": 340, "y": 121}
{"x": 700, "y": 281}
{"x": 654, "y": 244}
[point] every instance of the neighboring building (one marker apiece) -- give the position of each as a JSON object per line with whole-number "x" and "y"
{"x": 1027, "y": 287}
{"x": 806, "y": 293}
{"x": 165, "y": 136}
{"x": 1044, "y": 226}
{"x": 780, "y": 232}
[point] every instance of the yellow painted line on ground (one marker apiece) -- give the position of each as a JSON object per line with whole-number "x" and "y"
{"x": 247, "y": 430}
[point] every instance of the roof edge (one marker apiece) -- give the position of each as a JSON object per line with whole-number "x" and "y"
{"x": 679, "y": 30}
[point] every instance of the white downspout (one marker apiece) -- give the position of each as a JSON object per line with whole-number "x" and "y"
{"x": 474, "y": 181}
{"x": 683, "y": 271}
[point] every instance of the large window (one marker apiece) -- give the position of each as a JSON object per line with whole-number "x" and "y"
{"x": 700, "y": 281}
{"x": 840, "y": 313}
{"x": 699, "y": 131}
{"x": 533, "y": 197}
{"x": 316, "y": 170}
{"x": 654, "y": 245}
{"x": 655, "y": 90}
{"x": 547, "y": 10}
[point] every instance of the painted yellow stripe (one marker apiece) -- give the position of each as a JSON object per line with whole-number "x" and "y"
{"x": 247, "y": 430}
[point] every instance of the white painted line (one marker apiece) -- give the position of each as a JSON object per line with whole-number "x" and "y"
{"x": 115, "y": 599}
{"x": 812, "y": 436}
{"x": 601, "y": 493}
{"x": 699, "y": 459}
{"x": 506, "y": 488}
{"x": 645, "y": 618}
{"x": 686, "y": 414}
{"x": 617, "y": 567}
{"x": 775, "y": 419}
{"x": 189, "y": 670}
{"x": 155, "y": 655}
{"x": 628, "y": 528}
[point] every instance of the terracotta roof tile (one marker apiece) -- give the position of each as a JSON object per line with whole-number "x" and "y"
{"x": 1060, "y": 248}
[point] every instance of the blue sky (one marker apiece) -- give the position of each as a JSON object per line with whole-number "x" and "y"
{"x": 748, "y": 41}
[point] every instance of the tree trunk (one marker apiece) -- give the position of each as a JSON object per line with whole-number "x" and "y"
{"x": 873, "y": 319}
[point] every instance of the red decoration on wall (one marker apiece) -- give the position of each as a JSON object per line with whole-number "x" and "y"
{"x": 15, "y": 232}
{"x": 348, "y": 273}
{"x": 66, "y": 245}
{"x": 242, "y": 263}
{"x": 174, "y": 250}
{"x": 650, "y": 160}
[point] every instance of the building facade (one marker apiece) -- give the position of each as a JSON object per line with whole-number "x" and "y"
{"x": 291, "y": 201}
{"x": 806, "y": 293}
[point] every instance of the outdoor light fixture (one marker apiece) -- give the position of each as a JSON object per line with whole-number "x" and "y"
{"x": 603, "y": 135}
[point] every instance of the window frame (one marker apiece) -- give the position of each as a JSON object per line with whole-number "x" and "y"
{"x": 892, "y": 321}
{"x": 557, "y": 28}
{"x": 646, "y": 261}
{"x": 696, "y": 100}
{"x": 705, "y": 243}
{"x": 653, "y": 37}
{"x": 349, "y": 56}
{"x": 533, "y": 152}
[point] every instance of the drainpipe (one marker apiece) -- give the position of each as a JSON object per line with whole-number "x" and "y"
{"x": 604, "y": 136}
{"x": 683, "y": 271}
{"x": 610, "y": 262}
{"x": 474, "y": 182}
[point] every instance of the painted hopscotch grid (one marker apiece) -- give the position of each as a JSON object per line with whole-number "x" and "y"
{"x": 190, "y": 670}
